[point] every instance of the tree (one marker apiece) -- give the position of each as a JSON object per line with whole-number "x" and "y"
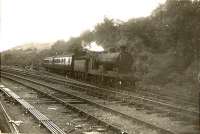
{"x": 107, "y": 33}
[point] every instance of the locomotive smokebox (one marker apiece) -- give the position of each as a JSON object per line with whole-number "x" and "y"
{"x": 124, "y": 61}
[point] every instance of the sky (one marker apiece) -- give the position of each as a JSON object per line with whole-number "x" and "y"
{"x": 41, "y": 21}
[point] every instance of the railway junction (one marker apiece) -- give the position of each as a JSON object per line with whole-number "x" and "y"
{"x": 100, "y": 67}
{"x": 44, "y": 102}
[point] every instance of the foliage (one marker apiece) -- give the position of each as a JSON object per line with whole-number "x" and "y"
{"x": 19, "y": 57}
{"x": 173, "y": 26}
{"x": 107, "y": 33}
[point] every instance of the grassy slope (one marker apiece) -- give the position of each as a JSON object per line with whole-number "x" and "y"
{"x": 162, "y": 75}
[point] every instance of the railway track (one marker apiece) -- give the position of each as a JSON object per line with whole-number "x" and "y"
{"x": 72, "y": 123}
{"x": 173, "y": 99}
{"x": 147, "y": 92}
{"x": 186, "y": 108}
{"x": 127, "y": 124}
{"x": 53, "y": 128}
{"x": 89, "y": 122}
{"x": 149, "y": 123}
{"x": 157, "y": 93}
{"x": 165, "y": 99}
{"x": 12, "y": 126}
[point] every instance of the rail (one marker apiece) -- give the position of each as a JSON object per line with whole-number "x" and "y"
{"x": 53, "y": 128}
{"x": 91, "y": 102}
{"x": 12, "y": 125}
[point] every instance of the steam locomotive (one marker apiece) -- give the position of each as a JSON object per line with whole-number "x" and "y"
{"x": 113, "y": 68}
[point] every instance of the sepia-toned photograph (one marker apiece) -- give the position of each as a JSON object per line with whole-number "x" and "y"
{"x": 99, "y": 66}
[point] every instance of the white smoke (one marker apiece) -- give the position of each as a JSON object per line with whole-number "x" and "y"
{"x": 93, "y": 47}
